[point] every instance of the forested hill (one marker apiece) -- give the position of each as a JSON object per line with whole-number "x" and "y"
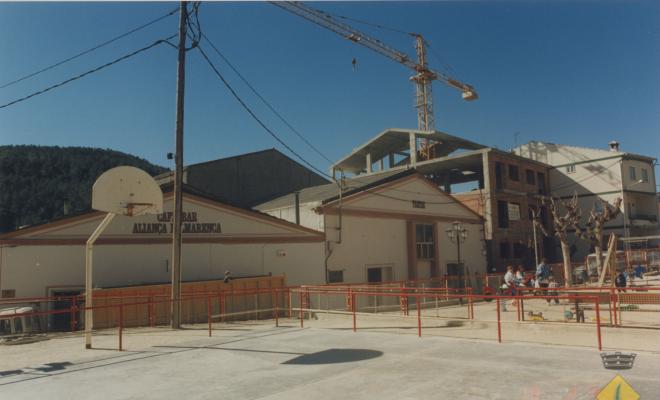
{"x": 37, "y": 181}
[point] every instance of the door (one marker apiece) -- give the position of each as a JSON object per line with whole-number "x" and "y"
{"x": 456, "y": 275}
{"x": 62, "y": 321}
{"x": 375, "y": 275}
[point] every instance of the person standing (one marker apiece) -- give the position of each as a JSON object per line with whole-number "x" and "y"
{"x": 543, "y": 273}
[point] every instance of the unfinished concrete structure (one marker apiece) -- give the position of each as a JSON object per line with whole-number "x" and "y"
{"x": 500, "y": 186}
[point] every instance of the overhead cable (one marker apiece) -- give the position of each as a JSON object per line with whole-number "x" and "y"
{"x": 91, "y": 49}
{"x": 55, "y": 86}
{"x": 263, "y": 100}
{"x": 254, "y": 116}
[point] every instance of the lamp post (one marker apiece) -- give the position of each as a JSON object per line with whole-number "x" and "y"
{"x": 457, "y": 233}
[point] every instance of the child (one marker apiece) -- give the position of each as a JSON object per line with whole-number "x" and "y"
{"x": 552, "y": 284}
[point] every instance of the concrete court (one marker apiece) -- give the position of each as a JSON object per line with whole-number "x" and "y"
{"x": 260, "y": 361}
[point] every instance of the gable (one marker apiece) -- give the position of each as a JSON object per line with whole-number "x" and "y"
{"x": 203, "y": 220}
{"x": 412, "y": 195}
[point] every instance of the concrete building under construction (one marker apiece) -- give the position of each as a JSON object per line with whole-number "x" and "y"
{"x": 500, "y": 186}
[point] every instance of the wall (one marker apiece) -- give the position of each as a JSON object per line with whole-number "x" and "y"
{"x": 30, "y": 270}
{"x": 368, "y": 241}
{"x": 520, "y": 192}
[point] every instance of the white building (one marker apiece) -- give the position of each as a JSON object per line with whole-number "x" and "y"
{"x": 384, "y": 227}
{"x": 44, "y": 259}
{"x": 602, "y": 174}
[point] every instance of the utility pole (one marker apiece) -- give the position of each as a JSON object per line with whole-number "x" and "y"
{"x": 178, "y": 170}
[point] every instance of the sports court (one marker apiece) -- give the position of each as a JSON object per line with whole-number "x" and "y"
{"x": 256, "y": 360}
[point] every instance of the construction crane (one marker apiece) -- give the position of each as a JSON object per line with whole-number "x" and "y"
{"x": 423, "y": 77}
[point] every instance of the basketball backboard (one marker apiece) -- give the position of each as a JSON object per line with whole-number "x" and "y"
{"x": 128, "y": 191}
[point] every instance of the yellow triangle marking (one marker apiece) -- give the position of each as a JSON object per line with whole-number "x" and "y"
{"x": 617, "y": 389}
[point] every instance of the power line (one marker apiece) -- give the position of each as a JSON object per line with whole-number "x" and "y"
{"x": 254, "y": 116}
{"x": 122, "y": 58}
{"x": 263, "y": 100}
{"x": 82, "y": 53}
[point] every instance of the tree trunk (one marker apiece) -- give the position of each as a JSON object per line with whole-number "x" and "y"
{"x": 568, "y": 271}
{"x": 599, "y": 257}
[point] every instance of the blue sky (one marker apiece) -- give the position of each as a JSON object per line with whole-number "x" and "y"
{"x": 580, "y": 73}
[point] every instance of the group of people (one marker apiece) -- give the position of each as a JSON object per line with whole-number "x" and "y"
{"x": 541, "y": 279}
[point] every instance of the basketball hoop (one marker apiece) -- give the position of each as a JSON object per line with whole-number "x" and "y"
{"x": 121, "y": 190}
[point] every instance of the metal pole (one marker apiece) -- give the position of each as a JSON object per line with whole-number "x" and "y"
{"x": 419, "y": 318}
{"x": 499, "y": 323}
{"x": 536, "y": 246}
{"x": 178, "y": 170}
{"x": 208, "y": 311}
{"x": 600, "y": 344}
{"x": 276, "y": 306}
{"x": 89, "y": 258}
{"x": 121, "y": 325}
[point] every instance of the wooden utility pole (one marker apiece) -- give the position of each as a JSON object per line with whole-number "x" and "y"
{"x": 178, "y": 170}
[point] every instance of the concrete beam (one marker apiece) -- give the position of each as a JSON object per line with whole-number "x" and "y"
{"x": 413, "y": 149}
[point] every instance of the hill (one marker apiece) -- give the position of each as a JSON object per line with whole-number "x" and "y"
{"x": 37, "y": 183}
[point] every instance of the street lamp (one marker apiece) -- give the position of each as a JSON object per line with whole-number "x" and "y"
{"x": 457, "y": 234}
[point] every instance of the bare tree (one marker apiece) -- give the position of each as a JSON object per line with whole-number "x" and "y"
{"x": 561, "y": 226}
{"x": 593, "y": 230}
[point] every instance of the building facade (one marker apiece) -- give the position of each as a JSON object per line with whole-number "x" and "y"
{"x": 44, "y": 259}
{"x": 597, "y": 174}
{"x": 386, "y": 227}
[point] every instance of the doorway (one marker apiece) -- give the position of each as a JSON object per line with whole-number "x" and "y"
{"x": 62, "y": 321}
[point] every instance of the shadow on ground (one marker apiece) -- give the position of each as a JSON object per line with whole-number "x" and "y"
{"x": 334, "y": 356}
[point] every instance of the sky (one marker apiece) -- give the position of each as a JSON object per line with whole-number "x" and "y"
{"x": 577, "y": 73}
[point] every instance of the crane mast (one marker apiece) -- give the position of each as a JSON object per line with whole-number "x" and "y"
{"x": 423, "y": 77}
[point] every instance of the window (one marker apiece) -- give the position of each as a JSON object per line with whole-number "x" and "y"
{"x": 540, "y": 177}
{"x": 425, "y": 241}
{"x": 502, "y": 214}
{"x": 418, "y": 204}
{"x": 513, "y": 209}
{"x": 518, "y": 250}
{"x": 499, "y": 179}
{"x": 645, "y": 175}
{"x": 633, "y": 174}
{"x": 570, "y": 169}
{"x": 8, "y": 293}
{"x": 504, "y": 250}
{"x": 530, "y": 177}
{"x": 335, "y": 276}
{"x": 513, "y": 173}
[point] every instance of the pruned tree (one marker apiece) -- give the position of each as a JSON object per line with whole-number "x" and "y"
{"x": 593, "y": 229}
{"x": 562, "y": 224}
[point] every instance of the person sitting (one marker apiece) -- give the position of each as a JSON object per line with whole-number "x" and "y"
{"x": 228, "y": 277}
{"x": 510, "y": 281}
{"x": 620, "y": 282}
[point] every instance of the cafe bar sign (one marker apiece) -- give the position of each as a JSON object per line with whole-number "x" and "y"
{"x": 189, "y": 224}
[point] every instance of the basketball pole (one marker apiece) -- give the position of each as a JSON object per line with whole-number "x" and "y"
{"x": 178, "y": 170}
{"x": 89, "y": 258}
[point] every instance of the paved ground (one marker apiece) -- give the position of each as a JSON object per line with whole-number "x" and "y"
{"x": 259, "y": 361}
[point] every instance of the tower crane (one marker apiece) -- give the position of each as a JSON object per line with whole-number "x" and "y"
{"x": 422, "y": 78}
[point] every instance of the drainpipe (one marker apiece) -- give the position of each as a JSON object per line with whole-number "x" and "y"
{"x": 329, "y": 249}
{"x": 297, "y": 206}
